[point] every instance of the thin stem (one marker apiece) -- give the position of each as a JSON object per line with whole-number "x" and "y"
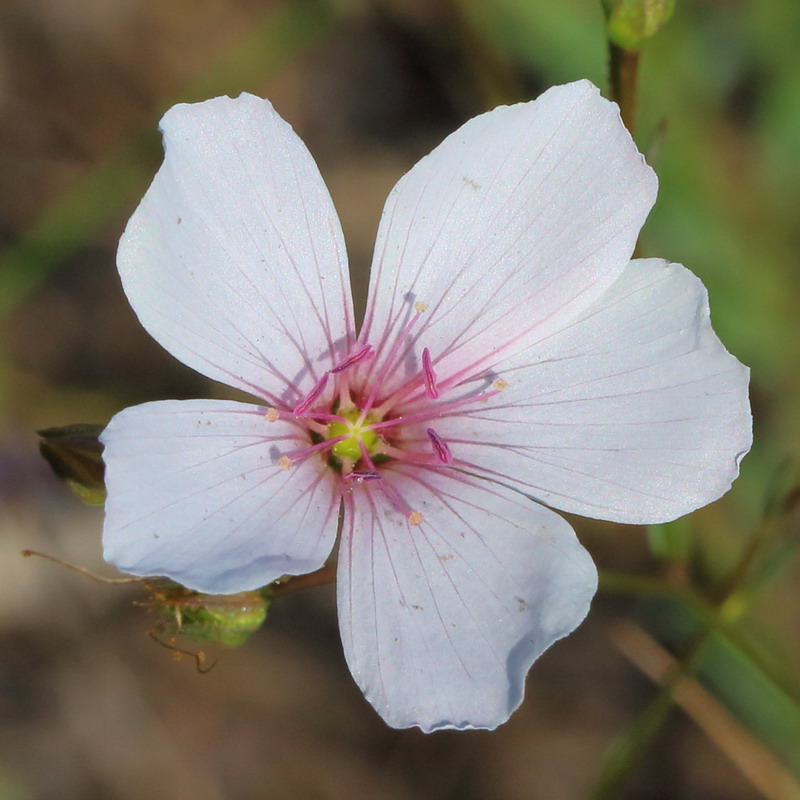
{"x": 714, "y": 618}
{"x": 624, "y": 82}
{"x": 632, "y": 744}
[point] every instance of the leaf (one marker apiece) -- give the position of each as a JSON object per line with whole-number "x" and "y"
{"x": 74, "y": 453}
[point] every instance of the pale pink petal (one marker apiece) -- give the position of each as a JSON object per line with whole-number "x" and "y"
{"x": 195, "y": 494}
{"x": 441, "y": 621}
{"x": 635, "y": 412}
{"x": 507, "y": 230}
{"x": 234, "y": 259}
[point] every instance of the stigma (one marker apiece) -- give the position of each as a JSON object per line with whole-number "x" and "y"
{"x": 357, "y": 420}
{"x": 354, "y": 435}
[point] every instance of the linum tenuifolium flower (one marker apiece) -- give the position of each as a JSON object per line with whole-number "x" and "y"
{"x": 512, "y": 359}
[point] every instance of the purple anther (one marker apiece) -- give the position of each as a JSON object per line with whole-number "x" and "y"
{"x": 429, "y": 375}
{"x": 440, "y": 447}
{"x": 359, "y": 476}
{"x": 362, "y": 354}
{"x": 301, "y": 408}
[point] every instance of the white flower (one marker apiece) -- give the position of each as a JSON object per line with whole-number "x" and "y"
{"x": 507, "y": 337}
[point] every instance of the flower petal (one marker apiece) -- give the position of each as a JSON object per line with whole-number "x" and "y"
{"x": 506, "y": 231}
{"x": 441, "y": 621}
{"x": 234, "y": 260}
{"x": 194, "y": 494}
{"x": 635, "y": 412}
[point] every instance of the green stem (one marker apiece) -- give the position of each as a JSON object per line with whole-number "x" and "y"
{"x": 715, "y": 618}
{"x": 629, "y": 748}
{"x": 633, "y": 743}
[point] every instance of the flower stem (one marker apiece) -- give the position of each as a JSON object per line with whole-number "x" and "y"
{"x": 624, "y": 82}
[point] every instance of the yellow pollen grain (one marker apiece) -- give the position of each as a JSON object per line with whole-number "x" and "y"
{"x": 500, "y": 384}
{"x": 415, "y": 518}
{"x": 285, "y": 463}
{"x": 272, "y": 415}
{"x": 420, "y": 307}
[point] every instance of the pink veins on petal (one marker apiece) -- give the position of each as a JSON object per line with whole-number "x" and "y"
{"x": 616, "y": 400}
{"x": 359, "y": 427}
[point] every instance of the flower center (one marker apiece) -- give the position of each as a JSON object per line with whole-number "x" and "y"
{"x": 358, "y": 425}
{"x": 360, "y": 436}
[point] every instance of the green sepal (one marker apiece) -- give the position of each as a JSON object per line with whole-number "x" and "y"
{"x": 631, "y": 22}
{"x": 226, "y": 619}
{"x": 75, "y": 454}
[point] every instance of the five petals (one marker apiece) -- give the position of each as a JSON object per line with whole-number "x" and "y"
{"x": 515, "y": 235}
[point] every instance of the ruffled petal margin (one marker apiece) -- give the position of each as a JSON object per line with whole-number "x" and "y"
{"x": 633, "y": 413}
{"x": 440, "y": 622}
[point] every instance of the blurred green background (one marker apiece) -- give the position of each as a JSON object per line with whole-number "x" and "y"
{"x": 90, "y": 707}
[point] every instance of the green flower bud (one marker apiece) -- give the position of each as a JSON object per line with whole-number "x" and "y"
{"x": 74, "y": 453}
{"x": 226, "y": 619}
{"x": 630, "y": 22}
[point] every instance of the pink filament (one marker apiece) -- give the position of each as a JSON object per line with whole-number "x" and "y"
{"x": 301, "y": 408}
{"x": 428, "y": 375}
{"x": 440, "y": 447}
{"x": 362, "y": 354}
{"x": 388, "y": 363}
{"x": 438, "y": 410}
{"x": 359, "y": 476}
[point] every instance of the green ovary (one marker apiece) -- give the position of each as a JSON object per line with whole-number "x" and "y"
{"x": 356, "y": 436}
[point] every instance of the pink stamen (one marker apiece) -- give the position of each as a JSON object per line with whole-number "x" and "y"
{"x": 388, "y": 362}
{"x": 359, "y": 476}
{"x": 360, "y": 355}
{"x": 301, "y": 408}
{"x": 316, "y": 427}
{"x": 365, "y": 456}
{"x": 305, "y": 452}
{"x": 440, "y": 447}
{"x": 414, "y": 517}
{"x": 394, "y": 498}
{"x": 428, "y": 375}
{"x": 321, "y": 415}
{"x": 438, "y": 410}
{"x": 429, "y": 381}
